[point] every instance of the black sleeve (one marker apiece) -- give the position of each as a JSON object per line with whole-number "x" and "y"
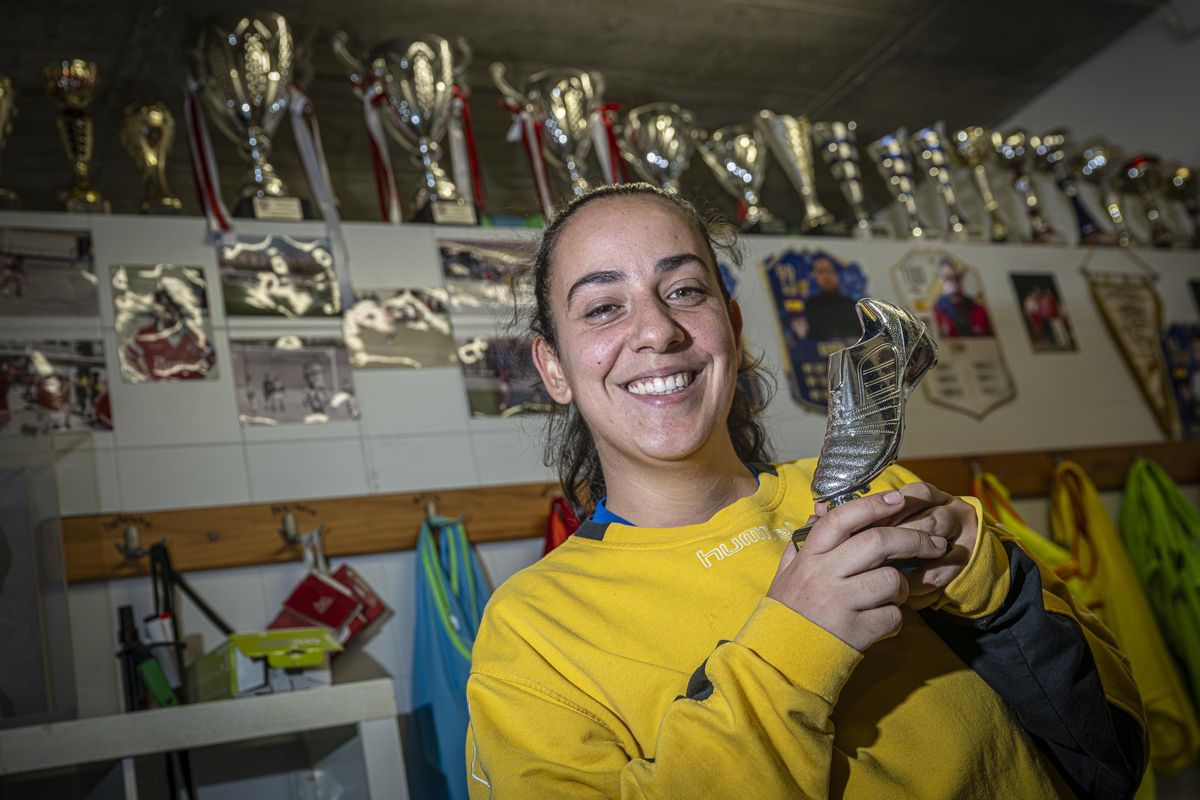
{"x": 1040, "y": 664}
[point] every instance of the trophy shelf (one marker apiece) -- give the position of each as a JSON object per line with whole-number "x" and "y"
{"x": 246, "y": 535}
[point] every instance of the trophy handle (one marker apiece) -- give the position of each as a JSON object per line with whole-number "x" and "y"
{"x": 465, "y": 57}
{"x": 499, "y": 74}
{"x": 340, "y": 42}
{"x": 597, "y": 83}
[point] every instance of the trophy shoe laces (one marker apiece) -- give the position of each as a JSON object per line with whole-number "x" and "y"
{"x": 869, "y": 382}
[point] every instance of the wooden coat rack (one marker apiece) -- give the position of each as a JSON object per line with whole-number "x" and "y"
{"x": 245, "y": 535}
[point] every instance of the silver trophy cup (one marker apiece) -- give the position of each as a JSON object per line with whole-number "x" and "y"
{"x": 974, "y": 148}
{"x": 1097, "y": 164}
{"x": 790, "y": 139}
{"x": 244, "y": 68}
{"x": 929, "y": 148}
{"x": 839, "y": 147}
{"x": 890, "y": 154}
{"x": 562, "y": 101}
{"x": 1182, "y": 185}
{"x": 1014, "y": 152}
{"x": 1141, "y": 176}
{"x": 738, "y": 158}
{"x": 416, "y": 79}
{"x": 657, "y": 140}
{"x": 1050, "y": 154}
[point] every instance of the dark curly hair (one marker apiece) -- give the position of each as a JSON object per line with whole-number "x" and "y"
{"x": 569, "y": 444}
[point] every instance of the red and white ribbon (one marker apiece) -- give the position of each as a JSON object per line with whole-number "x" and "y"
{"x": 526, "y": 129}
{"x": 604, "y": 141}
{"x": 204, "y": 168}
{"x": 312, "y": 157}
{"x": 463, "y": 157}
{"x": 385, "y": 180}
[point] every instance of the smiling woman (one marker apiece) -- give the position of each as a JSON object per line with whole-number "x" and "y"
{"x": 827, "y": 672}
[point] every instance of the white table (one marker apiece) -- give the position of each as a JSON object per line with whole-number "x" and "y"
{"x": 369, "y": 706}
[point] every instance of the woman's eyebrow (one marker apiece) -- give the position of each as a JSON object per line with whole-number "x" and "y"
{"x": 599, "y": 276}
{"x": 661, "y": 267}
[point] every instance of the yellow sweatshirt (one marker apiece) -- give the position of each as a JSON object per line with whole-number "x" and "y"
{"x": 647, "y": 662}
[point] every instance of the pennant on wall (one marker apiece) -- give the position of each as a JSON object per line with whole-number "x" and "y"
{"x": 1132, "y": 312}
{"x": 946, "y": 294}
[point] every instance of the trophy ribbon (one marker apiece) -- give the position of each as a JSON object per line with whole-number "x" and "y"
{"x": 604, "y": 139}
{"x": 307, "y": 134}
{"x": 204, "y": 168}
{"x": 385, "y": 180}
{"x": 464, "y": 159}
{"x": 526, "y": 129}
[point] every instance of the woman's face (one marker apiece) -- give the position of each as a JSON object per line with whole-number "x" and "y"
{"x": 647, "y": 348}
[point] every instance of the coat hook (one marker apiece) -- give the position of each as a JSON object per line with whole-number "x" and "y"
{"x": 131, "y": 548}
{"x": 287, "y": 529}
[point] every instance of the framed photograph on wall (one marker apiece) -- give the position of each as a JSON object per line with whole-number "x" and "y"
{"x": 163, "y": 329}
{"x": 47, "y": 273}
{"x": 1043, "y": 312}
{"x": 292, "y": 379}
{"x": 53, "y": 385}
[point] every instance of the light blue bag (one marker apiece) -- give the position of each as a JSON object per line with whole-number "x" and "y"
{"x": 451, "y": 594}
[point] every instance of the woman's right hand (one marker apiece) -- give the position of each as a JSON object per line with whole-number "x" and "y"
{"x": 841, "y": 579}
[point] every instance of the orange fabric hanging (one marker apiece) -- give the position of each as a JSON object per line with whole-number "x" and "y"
{"x": 561, "y": 524}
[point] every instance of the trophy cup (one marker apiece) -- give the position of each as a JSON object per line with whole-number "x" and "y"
{"x": 790, "y": 139}
{"x": 148, "y": 133}
{"x": 562, "y": 101}
{"x": 1098, "y": 164}
{"x": 839, "y": 147}
{"x": 8, "y": 110}
{"x": 974, "y": 148}
{"x": 1181, "y": 185}
{"x": 738, "y": 159}
{"x": 72, "y": 82}
{"x": 1141, "y": 176}
{"x": 869, "y": 383}
{"x": 1013, "y": 150}
{"x": 1050, "y": 154}
{"x": 891, "y": 157}
{"x": 929, "y": 145}
{"x": 244, "y": 69}
{"x": 657, "y": 140}
{"x": 416, "y": 77}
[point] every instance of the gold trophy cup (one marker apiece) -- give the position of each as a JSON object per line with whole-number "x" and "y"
{"x": 147, "y": 132}
{"x": 72, "y": 83}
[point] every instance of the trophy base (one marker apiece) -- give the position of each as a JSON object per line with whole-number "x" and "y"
{"x": 770, "y": 226}
{"x": 9, "y": 200}
{"x": 87, "y": 205}
{"x": 162, "y": 206}
{"x": 446, "y": 212}
{"x": 290, "y": 209}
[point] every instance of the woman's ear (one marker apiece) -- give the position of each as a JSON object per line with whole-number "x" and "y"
{"x": 548, "y": 366}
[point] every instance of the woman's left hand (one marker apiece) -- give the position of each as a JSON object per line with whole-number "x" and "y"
{"x": 927, "y": 508}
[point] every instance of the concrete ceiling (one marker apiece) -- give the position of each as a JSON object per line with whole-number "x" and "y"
{"x": 884, "y": 63}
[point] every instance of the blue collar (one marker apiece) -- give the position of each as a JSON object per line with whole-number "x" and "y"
{"x": 603, "y": 516}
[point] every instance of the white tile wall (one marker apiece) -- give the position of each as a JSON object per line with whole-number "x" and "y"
{"x": 297, "y": 470}
{"x": 509, "y": 451}
{"x": 411, "y": 401}
{"x": 155, "y": 478}
{"x": 414, "y": 463}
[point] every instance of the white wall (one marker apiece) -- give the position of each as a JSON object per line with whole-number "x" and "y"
{"x": 1140, "y": 92}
